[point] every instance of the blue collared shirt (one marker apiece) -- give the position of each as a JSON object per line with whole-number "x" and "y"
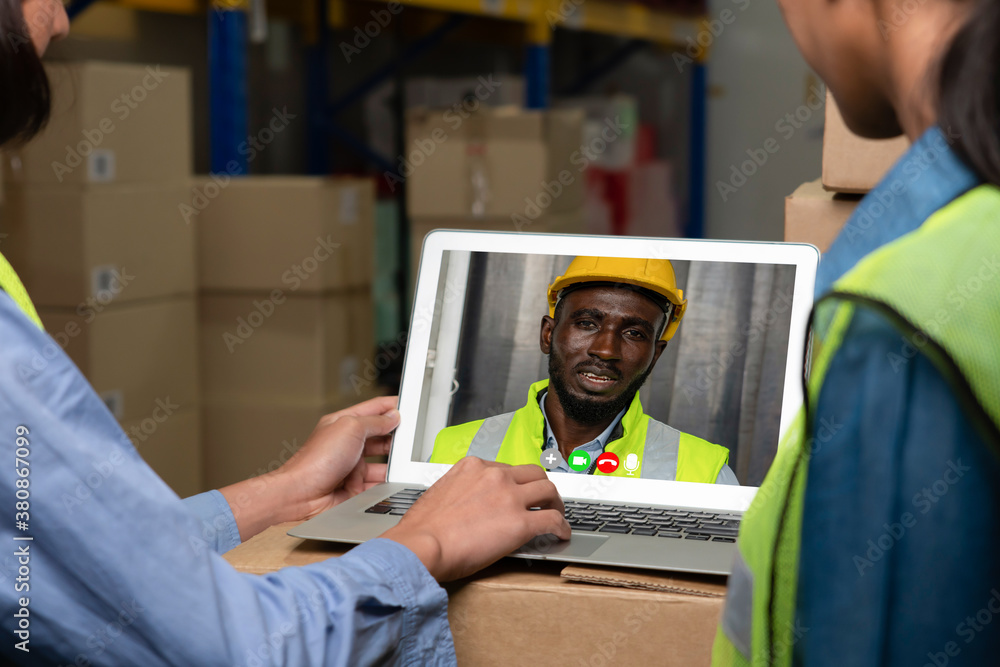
{"x": 902, "y": 505}
{"x": 120, "y": 571}
{"x": 594, "y": 448}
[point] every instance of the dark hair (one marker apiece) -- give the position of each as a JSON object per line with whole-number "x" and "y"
{"x": 969, "y": 104}
{"x": 26, "y": 99}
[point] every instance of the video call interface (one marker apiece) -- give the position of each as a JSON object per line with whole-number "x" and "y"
{"x": 699, "y": 403}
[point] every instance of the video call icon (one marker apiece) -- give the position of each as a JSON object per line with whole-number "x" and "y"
{"x": 579, "y": 460}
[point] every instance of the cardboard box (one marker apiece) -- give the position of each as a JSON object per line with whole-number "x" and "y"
{"x": 619, "y": 111}
{"x": 644, "y": 617}
{"x": 652, "y": 207}
{"x": 111, "y": 123}
{"x": 108, "y": 22}
{"x": 494, "y": 163}
{"x": 815, "y": 215}
{"x": 361, "y": 310}
{"x": 571, "y": 222}
{"x": 170, "y": 442}
{"x": 137, "y": 357}
{"x": 853, "y": 164}
{"x": 438, "y": 92}
{"x": 246, "y": 439}
{"x": 72, "y": 244}
{"x": 284, "y": 346}
{"x": 300, "y": 233}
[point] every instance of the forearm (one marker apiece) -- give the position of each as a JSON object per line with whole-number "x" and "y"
{"x": 263, "y": 501}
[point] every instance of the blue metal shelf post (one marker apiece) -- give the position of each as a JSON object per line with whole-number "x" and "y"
{"x": 536, "y": 76}
{"x": 227, "y": 80}
{"x": 318, "y": 92}
{"x": 537, "y": 65}
{"x": 698, "y": 147}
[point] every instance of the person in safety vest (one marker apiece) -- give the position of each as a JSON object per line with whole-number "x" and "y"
{"x": 609, "y": 320}
{"x": 874, "y": 538}
{"x": 95, "y": 540}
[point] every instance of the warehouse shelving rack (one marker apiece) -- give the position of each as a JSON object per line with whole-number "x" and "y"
{"x": 228, "y": 22}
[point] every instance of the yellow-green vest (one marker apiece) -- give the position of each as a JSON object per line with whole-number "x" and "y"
{"x": 11, "y": 284}
{"x": 939, "y": 287}
{"x": 517, "y": 438}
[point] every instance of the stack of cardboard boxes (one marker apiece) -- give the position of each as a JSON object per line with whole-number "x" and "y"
{"x": 285, "y": 267}
{"x": 817, "y": 210}
{"x": 629, "y": 189}
{"x": 92, "y": 224}
{"x": 496, "y": 169}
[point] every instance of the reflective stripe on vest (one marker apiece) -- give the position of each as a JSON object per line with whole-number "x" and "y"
{"x": 661, "y": 451}
{"x": 912, "y": 282}
{"x": 518, "y": 437}
{"x": 485, "y": 444}
{"x": 659, "y": 455}
{"x": 11, "y": 284}
{"x": 738, "y": 613}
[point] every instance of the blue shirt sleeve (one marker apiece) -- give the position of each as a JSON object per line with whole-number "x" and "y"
{"x": 899, "y": 548}
{"x": 218, "y": 525}
{"x": 117, "y": 570}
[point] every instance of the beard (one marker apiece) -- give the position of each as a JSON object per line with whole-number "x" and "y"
{"x": 587, "y": 410}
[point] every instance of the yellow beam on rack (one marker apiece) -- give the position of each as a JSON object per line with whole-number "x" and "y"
{"x": 540, "y": 32}
{"x": 625, "y": 19}
{"x": 166, "y": 6}
{"x": 337, "y": 13}
{"x": 514, "y": 10}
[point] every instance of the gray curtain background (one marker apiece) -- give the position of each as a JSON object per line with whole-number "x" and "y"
{"x": 720, "y": 378}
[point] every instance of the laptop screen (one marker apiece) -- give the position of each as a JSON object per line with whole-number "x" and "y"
{"x": 704, "y": 402}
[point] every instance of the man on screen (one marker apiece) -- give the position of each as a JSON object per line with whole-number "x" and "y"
{"x": 609, "y": 320}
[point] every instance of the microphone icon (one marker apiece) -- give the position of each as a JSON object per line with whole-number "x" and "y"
{"x": 632, "y": 463}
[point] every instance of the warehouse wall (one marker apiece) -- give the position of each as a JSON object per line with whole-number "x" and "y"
{"x": 756, "y": 78}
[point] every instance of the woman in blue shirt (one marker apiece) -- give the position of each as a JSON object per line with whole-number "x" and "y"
{"x": 118, "y": 570}
{"x": 897, "y": 560}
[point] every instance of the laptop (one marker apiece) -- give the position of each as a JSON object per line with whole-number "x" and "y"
{"x": 730, "y": 375}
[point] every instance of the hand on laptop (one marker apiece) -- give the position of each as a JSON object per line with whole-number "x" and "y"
{"x": 476, "y": 514}
{"x": 328, "y": 469}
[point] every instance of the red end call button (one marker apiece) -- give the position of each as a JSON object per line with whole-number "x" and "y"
{"x": 607, "y": 463}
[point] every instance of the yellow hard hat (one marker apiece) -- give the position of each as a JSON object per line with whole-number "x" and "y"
{"x": 655, "y": 275}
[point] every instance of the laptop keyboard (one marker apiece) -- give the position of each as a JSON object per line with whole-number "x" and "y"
{"x": 652, "y": 521}
{"x": 617, "y": 519}
{"x": 397, "y": 503}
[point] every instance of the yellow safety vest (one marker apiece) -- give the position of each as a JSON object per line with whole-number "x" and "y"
{"x": 913, "y": 282}
{"x": 11, "y": 284}
{"x": 517, "y": 438}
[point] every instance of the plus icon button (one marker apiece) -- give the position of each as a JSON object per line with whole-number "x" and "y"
{"x": 549, "y": 460}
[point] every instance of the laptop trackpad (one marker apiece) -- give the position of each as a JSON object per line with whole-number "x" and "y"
{"x": 580, "y": 546}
